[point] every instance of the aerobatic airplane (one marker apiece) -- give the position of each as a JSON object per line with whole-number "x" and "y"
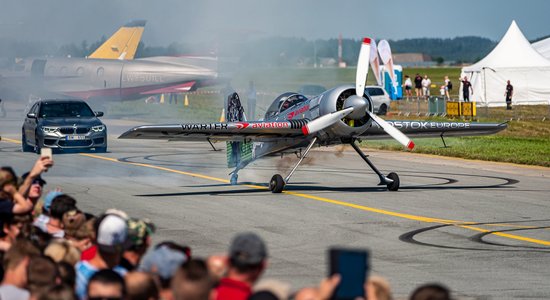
{"x": 294, "y": 124}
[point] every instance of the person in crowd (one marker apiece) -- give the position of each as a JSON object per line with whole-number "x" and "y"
{"x": 12, "y": 226}
{"x": 426, "y": 83}
{"x": 192, "y": 281}
{"x": 141, "y": 286}
{"x": 59, "y": 292}
{"x": 36, "y": 188}
{"x": 163, "y": 261}
{"x": 139, "y": 235}
{"x": 508, "y": 94}
{"x": 408, "y": 87}
{"x": 106, "y": 284}
{"x": 274, "y": 288}
{"x": 15, "y": 263}
{"x": 62, "y": 251}
{"x": 41, "y": 221}
{"x": 41, "y": 165}
{"x": 432, "y": 291}
{"x": 418, "y": 85}
{"x": 67, "y": 275}
{"x": 42, "y": 275}
{"x": 84, "y": 239}
{"x": 449, "y": 88}
{"x": 466, "y": 88}
{"x": 60, "y": 205}
{"x": 247, "y": 262}
{"x": 217, "y": 266}
{"x": 11, "y": 200}
{"x": 112, "y": 232}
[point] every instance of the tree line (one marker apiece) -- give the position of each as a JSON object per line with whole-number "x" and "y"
{"x": 272, "y": 51}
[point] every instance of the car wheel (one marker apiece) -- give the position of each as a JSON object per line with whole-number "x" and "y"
{"x": 382, "y": 110}
{"x": 24, "y": 146}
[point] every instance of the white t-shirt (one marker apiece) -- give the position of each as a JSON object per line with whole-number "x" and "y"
{"x": 408, "y": 82}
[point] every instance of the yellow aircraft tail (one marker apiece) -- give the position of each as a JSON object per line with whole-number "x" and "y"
{"x": 123, "y": 44}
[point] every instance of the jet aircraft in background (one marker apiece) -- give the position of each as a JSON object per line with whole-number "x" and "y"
{"x": 294, "y": 124}
{"x": 109, "y": 74}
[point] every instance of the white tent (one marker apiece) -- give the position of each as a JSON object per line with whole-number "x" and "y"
{"x": 512, "y": 59}
{"x": 543, "y": 47}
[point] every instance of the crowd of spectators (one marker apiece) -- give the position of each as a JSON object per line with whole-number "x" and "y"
{"x": 50, "y": 249}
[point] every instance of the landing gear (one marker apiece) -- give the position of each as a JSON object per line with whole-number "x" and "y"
{"x": 234, "y": 178}
{"x": 391, "y": 181}
{"x": 394, "y": 186}
{"x": 277, "y": 184}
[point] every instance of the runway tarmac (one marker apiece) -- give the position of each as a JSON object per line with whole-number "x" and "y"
{"x": 481, "y": 228}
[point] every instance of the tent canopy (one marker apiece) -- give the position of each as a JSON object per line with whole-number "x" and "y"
{"x": 514, "y": 59}
{"x": 513, "y": 50}
{"x": 543, "y": 47}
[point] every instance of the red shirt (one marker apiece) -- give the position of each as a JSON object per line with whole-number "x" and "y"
{"x": 89, "y": 253}
{"x": 230, "y": 289}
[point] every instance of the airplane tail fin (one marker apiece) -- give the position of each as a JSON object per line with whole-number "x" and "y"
{"x": 123, "y": 44}
{"x": 238, "y": 153}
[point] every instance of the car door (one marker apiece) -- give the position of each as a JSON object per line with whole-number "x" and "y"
{"x": 31, "y": 124}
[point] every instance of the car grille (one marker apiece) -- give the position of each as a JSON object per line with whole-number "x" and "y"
{"x": 72, "y": 130}
{"x": 84, "y": 143}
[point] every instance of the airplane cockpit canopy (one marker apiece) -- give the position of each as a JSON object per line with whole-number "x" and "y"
{"x": 284, "y": 102}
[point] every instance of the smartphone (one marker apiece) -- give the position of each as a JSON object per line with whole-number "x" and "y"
{"x": 46, "y": 152}
{"x": 353, "y": 267}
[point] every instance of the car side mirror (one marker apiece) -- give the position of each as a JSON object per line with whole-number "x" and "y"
{"x": 99, "y": 114}
{"x": 31, "y": 115}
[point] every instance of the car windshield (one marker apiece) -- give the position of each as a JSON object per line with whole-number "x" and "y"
{"x": 65, "y": 110}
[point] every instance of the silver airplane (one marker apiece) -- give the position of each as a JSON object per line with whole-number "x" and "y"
{"x": 294, "y": 124}
{"x": 104, "y": 77}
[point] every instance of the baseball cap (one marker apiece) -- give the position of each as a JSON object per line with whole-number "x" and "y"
{"x": 247, "y": 249}
{"x": 163, "y": 260}
{"x": 138, "y": 230}
{"x": 112, "y": 233}
{"x": 38, "y": 179}
{"x": 49, "y": 199}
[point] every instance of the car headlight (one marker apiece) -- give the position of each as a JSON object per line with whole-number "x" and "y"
{"x": 98, "y": 128}
{"x": 48, "y": 129}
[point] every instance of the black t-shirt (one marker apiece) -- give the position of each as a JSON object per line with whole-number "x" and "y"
{"x": 509, "y": 90}
{"x": 466, "y": 86}
{"x": 418, "y": 82}
{"x": 6, "y": 208}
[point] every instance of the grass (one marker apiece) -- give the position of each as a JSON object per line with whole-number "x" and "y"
{"x": 526, "y": 141}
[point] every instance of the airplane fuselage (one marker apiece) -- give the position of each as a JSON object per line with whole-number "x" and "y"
{"x": 106, "y": 79}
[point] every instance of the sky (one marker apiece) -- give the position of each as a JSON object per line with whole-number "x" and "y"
{"x": 66, "y": 21}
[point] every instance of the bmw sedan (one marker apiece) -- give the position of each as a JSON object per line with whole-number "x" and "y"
{"x": 63, "y": 124}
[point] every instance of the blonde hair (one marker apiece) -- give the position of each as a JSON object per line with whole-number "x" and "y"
{"x": 62, "y": 251}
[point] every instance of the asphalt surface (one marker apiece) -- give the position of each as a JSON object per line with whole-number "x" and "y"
{"x": 481, "y": 228}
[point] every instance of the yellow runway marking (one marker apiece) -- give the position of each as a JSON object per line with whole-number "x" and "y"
{"x": 461, "y": 224}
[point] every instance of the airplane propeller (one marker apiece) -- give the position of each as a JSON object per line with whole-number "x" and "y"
{"x": 360, "y": 105}
{"x": 356, "y": 107}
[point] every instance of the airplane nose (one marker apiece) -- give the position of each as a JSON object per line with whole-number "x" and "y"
{"x": 359, "y": 105}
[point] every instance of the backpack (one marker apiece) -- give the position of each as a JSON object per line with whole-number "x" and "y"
{"x": 449, "y": 85}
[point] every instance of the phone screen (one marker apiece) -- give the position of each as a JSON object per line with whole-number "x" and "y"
{"x": 352, "y": 265}
{"x": 46, "y": 152}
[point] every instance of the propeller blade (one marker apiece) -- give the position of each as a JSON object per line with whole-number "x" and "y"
{"x": 362, "y": 67}
{"x": 392, "y": 131}
{"x": 325, "y": 121}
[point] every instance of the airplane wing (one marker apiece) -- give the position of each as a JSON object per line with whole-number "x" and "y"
{"x": 222, "y": 131}
{"x": 435, "y": 129}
